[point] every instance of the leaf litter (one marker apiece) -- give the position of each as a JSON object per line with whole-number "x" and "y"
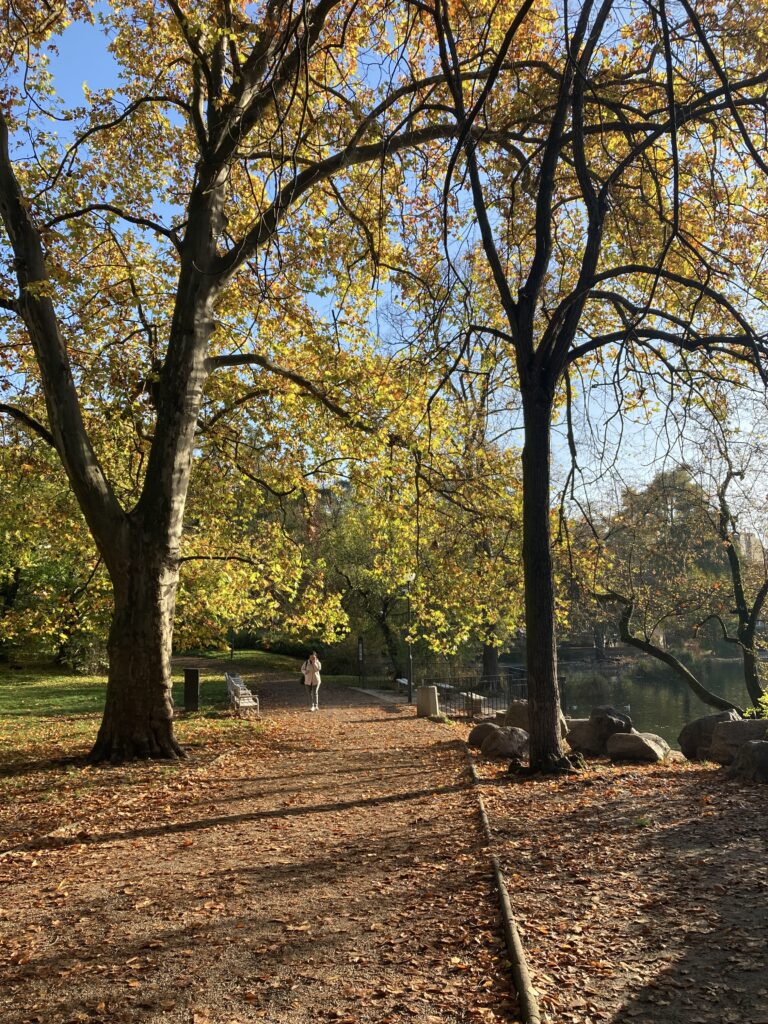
{"x": 641, "y": 892}
{"x": 317, "y": 868}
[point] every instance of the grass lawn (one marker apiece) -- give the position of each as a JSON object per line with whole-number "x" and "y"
{"x": 48, "y": 714}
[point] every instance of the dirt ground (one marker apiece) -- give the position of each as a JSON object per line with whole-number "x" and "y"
{"x": 641, "y": 892}
{"x": 330, "y": 867}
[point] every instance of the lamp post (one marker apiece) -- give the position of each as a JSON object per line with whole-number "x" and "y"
{"x": 408, "y": 581}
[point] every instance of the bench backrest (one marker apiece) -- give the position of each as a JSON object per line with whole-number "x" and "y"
{"x": 234, "y": 683}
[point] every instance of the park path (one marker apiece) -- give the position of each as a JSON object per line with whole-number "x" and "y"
{"x": 331, "y": 870}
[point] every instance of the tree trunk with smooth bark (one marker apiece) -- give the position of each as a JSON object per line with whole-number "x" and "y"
{"x": 752, "y": 679}
{"x": 393, "y": 645}
{"x": 546, "y": 753}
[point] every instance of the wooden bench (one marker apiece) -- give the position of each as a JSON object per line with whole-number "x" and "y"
{"x": 240, "y": 697}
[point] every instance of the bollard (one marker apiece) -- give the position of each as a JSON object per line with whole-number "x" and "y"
{"x": 191, "y": 689}
{"x": 427, "y": 703}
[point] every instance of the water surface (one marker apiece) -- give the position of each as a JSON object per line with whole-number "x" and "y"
{"x": 657, "y": 700}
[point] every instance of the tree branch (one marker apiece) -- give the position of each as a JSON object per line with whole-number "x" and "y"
{"x": 29, "y": 421}
{"x": 628, "y": 637}
{"x": 144, "y": 222}
{"x": 270, "y": 220}
{"x": 94, "y": 493}
{"x": 306, "y": 385}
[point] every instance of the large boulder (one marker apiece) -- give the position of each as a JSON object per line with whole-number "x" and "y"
{"x": 607, "y": 720}
{"x": 696, "y": 737}
{"x": 728, "y": 737}
{"x": 506, "y": 743}
{"x": 589, "y": 736}
{"x": 517, "y": 715}
{"x": 637, "y": 746}
{"x": 751, "y": 762}
{"x": 582, "y": 738}
{"x": 478, "y": 734}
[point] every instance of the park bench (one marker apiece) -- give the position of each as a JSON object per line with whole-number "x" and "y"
{"x": 240, "y": 697}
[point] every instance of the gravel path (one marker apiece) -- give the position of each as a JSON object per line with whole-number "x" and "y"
{"x": 330, "y": 870}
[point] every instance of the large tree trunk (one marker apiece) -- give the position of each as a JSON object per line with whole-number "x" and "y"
{"x": 598, "y": 632}
{"x": 490, "y": 662}
{"x": 138, "y": 712}
{"x": 143, "y": 560}
{"x": 546, "y": 753}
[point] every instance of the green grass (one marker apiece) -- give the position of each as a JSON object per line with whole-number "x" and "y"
{"x": 42, "y": 692}
{"x": 257, "y": 661}
{"x": 51, "y": 693}
{"x": 47, "y": 713}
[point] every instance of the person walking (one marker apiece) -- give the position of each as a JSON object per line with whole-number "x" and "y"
{"x": 311, "y": 672}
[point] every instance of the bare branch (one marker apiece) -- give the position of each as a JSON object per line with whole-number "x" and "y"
{"x": 28, "y": 421}
{"x": 144, "y": 222}
{"x": 647, "y": 647}
{"x": 304, "y": 383}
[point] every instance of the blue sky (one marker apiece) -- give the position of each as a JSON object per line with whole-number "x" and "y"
{"x": 83, "y": 57}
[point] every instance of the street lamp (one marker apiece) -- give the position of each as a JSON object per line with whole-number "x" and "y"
{"x": 408, "y": 581}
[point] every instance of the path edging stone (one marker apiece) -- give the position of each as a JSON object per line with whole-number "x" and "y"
{"x": 521, "y": 975}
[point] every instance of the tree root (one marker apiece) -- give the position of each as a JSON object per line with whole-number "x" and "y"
{"x": 550, "y": 766}
{"x": 114, "y": 748}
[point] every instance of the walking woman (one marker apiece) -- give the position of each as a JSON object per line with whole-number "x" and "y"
{"x": 311, "y": 671}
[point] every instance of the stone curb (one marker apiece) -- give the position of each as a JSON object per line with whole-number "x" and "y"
{"x": 521, "y": 977}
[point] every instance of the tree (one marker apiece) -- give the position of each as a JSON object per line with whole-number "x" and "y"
{"x": 605, "y": 218}
{"x": 434, "y": 519}
{"x": 659, "y": 560}
{"x": 227, "y": 121}
{"x": 54, "y": 594}
{"x": 244, "y": 560}
{"x": 688, "y": 550}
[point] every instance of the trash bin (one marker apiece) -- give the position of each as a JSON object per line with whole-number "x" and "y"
{"x": 191, "y": 689}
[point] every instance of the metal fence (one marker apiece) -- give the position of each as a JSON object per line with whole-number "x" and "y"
{"x": 472, "y": 696}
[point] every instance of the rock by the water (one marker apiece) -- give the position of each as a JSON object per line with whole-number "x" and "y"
{"x": 478, "y": 734}
{"x": 637, "y": 746}
{"x": 608, "y": 720}
{"x": 583, "y": 739}
{"x": 676, "y": 757}
{"x": 728, "y": 737}
{"x": 506, "y": 743}
{"x": 751, "y": 762}
{"x": 589, "y": 736}
{"x": 517, "y": 715}
{"x": 696, "y": 737}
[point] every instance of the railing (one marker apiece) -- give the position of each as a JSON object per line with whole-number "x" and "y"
{"x": 472, "y": 696}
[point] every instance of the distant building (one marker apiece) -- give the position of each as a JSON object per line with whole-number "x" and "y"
{"x": 751, "y": 548}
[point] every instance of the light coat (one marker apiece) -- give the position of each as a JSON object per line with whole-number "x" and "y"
{"x": 311, "y": 672}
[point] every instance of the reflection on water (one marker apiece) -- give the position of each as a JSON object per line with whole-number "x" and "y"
{"x": 656, "y": 699}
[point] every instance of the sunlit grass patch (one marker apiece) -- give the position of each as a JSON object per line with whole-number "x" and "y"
{"x": 48, "y": 715}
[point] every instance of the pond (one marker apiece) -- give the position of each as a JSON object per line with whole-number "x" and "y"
{"x": 651, "y": 694}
